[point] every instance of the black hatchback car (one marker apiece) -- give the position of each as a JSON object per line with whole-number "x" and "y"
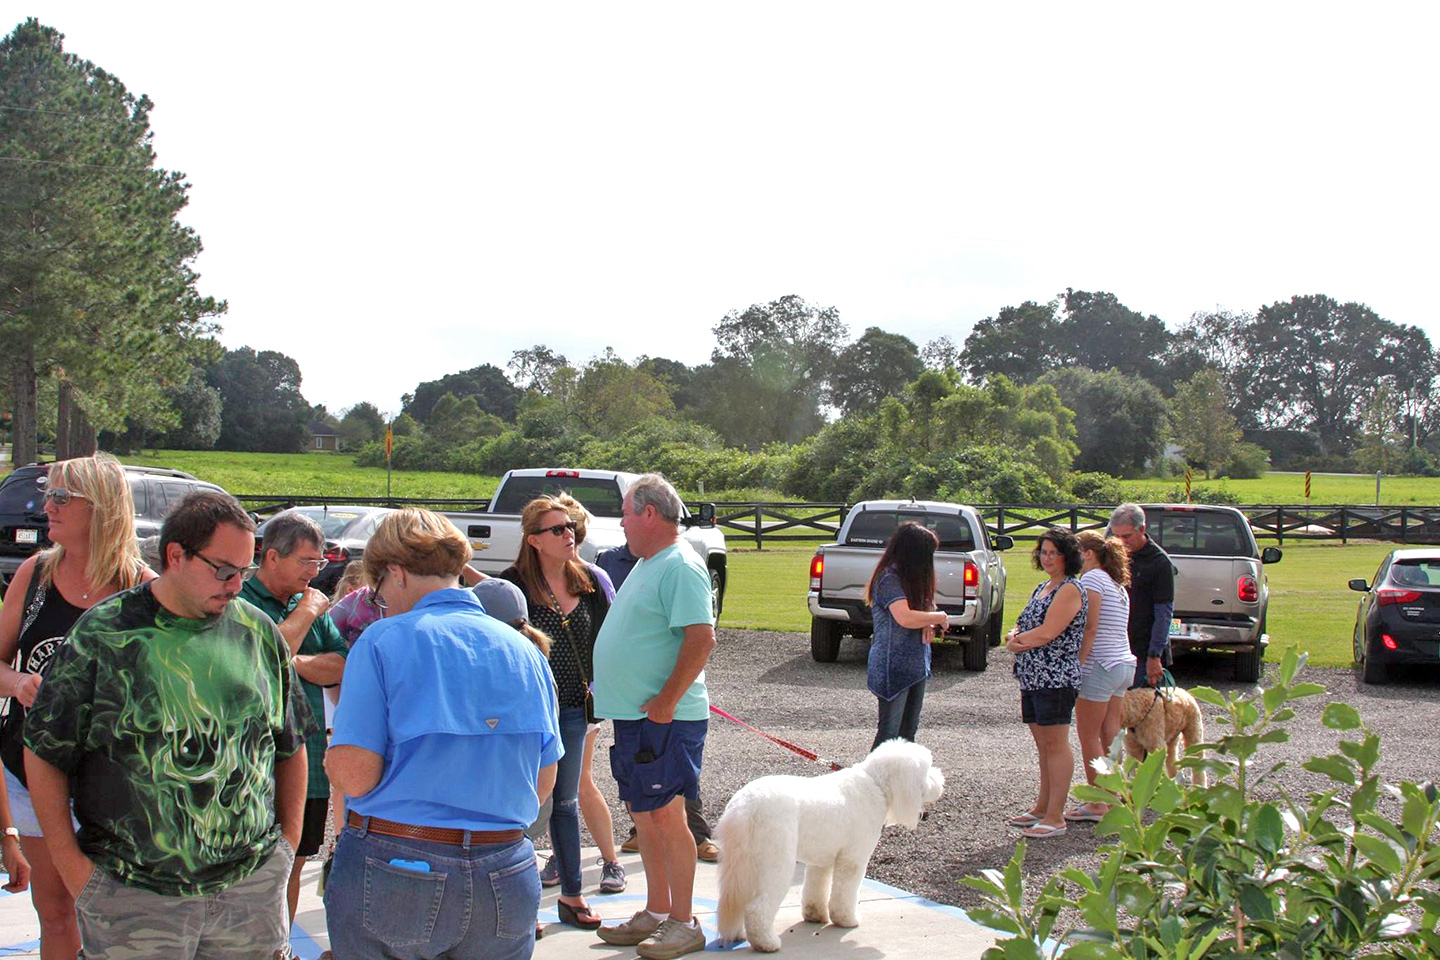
{"x": 1399, "y": 617}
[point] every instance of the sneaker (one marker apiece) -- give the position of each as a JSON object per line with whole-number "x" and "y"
{"x": 673, "y": 939}
{"x": 612, "y": 876}
{"x": 636, "y": 930}
{"x": 550, "y": 876}
{"x": 631, "y": 844}
{"x": 707, "y": 851}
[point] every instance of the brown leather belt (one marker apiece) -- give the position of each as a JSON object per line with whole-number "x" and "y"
{"x": 389, "y": 828}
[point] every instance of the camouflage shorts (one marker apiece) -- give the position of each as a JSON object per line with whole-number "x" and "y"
{"x": 246, "y": 920}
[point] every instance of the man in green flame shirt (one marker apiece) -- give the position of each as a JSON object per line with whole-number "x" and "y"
{"x": 175, "y": 719}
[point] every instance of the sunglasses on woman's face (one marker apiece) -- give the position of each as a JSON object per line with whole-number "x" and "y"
{"x": 375, "y": 600}
{"x": 559, "y": 529}
{"x": 61, "y": 496}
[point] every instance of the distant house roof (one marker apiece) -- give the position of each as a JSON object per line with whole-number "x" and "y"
{"x": 318, "y": 429}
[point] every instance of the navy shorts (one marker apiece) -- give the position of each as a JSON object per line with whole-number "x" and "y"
{"x": 653, "y": 763}
{"x": 1048, "y": 707}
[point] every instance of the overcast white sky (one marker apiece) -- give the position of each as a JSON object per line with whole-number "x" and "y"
{"x": 392, "y": 193}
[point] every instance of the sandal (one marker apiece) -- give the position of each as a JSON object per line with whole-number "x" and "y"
{"x": 582, "y": 917}
{"x": 1081, "y": 813}
{"x": 1041, "y": 830}
{"x": 1023, "y": 820}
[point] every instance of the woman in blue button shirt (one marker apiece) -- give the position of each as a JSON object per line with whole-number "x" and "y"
{"x": 446, "y": 740}
{"x": 901, "y": 594}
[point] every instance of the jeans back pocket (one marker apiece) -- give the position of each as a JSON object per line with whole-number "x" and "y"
{"x": 517, "y": 898}
{"x": 401, "y": 905}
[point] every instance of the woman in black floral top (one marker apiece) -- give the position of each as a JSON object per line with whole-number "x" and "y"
{"x": 1046, "y": 643}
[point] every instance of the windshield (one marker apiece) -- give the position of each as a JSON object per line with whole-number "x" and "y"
{"x": 1199, "y": 533}
{"x": 332, "y": 522}
{"x": 22, "y": 496}
{"x": 872, "y": 528}
{"x": 600, "y": 495}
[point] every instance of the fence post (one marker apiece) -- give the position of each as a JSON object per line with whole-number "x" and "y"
{"x": 1280, "y": 525}
{"x": 1344, "y": 541}
{"x": 1074, "y": 519}
{"x": 1403, "y": 538}
{"x": 759, "y": 535}
{"x": 999, "y": 519}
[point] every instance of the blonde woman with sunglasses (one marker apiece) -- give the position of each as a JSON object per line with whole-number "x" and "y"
{"x": 94, "y": 555}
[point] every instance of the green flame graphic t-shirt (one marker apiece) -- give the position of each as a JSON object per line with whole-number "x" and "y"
{"x": 169, "y": 729}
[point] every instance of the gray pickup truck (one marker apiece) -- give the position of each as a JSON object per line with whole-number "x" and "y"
{"x": 969, "y": 576}
{"x": 1221, "y": 591}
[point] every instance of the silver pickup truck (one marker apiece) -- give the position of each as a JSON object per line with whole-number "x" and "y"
{"x": 495, "y": 534}
{"x": 1221, "y": 591}
{"x": 969, "y": 576}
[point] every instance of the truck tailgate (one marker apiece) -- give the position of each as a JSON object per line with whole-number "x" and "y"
{"x": 1207, "y": 586}
{"x": 848, "y": 571}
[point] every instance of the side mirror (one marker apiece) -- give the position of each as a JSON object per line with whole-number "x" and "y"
{"x": 707, "y": 514}
{"x": 1003, "y": 542}
{"x": 1360, "y": 585}
{"x": 1270, "y": 555}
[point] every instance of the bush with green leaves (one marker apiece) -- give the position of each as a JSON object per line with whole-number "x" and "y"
{"x": 1239, "y": 867}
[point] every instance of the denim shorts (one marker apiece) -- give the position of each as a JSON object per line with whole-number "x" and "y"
{"x": 1103, "y": 683}
{"x": 674, "y": 751}
{"x": 22, "y": 811}
{"x": 1048, "y": 707}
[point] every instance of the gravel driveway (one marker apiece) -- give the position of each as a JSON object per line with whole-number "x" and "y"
{"x": 971, "y": 722}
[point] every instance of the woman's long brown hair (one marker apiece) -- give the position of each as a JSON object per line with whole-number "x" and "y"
{"x": 911, "y": 551}
{"x": 1110, "y": 552}
{"x": 527, "y": 564}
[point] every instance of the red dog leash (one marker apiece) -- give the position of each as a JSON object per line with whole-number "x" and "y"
{"x": 807, "y": 754}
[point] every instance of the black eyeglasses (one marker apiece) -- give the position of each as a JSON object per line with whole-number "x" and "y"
{"x": 61, "y": 496}
{"x": 559, "y": 529}
{"x": 375, "y": 600}
{"x": 224, "y": 571}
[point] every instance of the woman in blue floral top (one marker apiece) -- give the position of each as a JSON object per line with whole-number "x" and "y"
{"x": 1046, "y": 643}
{"x": 901, "y": 593}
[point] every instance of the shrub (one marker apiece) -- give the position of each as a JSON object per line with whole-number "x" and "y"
{"x": 1248, "y": 462}
{"x": 1096, "y": 487}
{"x": 1419, "y": 463}
{"x": 1208, "y": 871}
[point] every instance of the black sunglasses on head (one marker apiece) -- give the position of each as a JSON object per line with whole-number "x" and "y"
{"x": 559, "y": 529}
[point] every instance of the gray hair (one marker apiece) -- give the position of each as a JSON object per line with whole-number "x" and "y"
{"x": 287, "y": 531}
{"x": 1128, "y": 514}
{"x": 653, "y": 490}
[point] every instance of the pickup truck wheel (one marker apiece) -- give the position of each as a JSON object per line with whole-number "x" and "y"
{"x": 717, "y": 594}
{"x": 975, "y": 651}
{"x": 825, "y": 639}
{"x": 997, "y": 625}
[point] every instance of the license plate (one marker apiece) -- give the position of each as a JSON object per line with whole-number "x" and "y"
{"x": 27, "y": 536}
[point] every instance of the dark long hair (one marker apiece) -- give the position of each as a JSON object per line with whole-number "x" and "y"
{"x": 911, "y": 551}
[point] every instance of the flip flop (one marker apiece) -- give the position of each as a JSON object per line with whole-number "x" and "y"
{"x": 1023, "y": 820}
{"x": 1083, "y": 814}
{"x": 1041, "y": 830}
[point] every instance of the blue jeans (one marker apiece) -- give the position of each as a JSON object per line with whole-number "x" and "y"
{"x": 477, "y": 902}
{"x": 900, "y": 717}
{"x": 565, "y": 814}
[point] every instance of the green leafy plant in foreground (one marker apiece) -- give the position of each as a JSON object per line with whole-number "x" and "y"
{"x": 1216, "y": 870}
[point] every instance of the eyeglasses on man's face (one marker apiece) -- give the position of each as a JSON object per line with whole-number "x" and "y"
{"x": 224, "y": 571}
{"x": 314, "y": 565}
{"x": 61, "y": 496}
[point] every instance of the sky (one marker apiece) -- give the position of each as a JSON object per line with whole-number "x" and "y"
{"x": 390, "y": 193}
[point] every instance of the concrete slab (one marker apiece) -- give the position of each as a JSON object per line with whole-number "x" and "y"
{"x": 893, "y": 922}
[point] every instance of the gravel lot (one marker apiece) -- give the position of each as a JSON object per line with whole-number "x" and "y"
{"x": 972, "y": 723}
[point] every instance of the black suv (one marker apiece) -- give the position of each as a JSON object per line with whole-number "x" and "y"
{"x": 22, "y": 516}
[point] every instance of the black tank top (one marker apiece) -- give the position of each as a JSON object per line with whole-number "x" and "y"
{"x": 41, "y": 636}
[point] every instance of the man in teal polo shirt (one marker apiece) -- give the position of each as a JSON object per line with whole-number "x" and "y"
{"x": 650, "y": 679}
{"x": 291, "y": 554}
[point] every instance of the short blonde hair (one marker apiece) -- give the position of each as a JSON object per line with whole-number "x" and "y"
{"x": 418, "y": 541}
{"x": 114, "y": 551}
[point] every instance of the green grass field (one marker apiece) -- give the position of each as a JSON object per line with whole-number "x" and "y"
{"x": 1310, "y": 604}
{"x": 1289, "y": 488}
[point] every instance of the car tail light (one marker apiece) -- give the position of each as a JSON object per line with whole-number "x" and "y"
{"x": 1389, "y": 642}
{"x": 972, "y": 581}
{"x": 336, "y": 555}
{"x": 562, "y": 473}
{"x": 817, "y": 568}
{"x": 1390, "y": 595}
{"x": 1248, "y": 590}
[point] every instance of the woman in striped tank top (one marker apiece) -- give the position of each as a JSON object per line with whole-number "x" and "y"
{"x": 1106, "y": 664}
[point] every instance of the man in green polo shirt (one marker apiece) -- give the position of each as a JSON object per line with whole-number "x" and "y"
{"x": 291, "y": 554}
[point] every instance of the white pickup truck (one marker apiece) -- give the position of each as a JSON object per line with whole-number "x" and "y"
{"x": 969, "y": 576}
{"x": 495, "y": 534}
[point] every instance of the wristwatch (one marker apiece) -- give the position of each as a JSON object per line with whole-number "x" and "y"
{"x": 10, "y": 832}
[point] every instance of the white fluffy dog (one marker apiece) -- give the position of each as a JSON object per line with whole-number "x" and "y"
{"x": 830, "y": 823}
